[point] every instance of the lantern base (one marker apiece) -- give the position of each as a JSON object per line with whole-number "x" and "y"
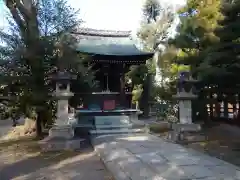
{"x": 59, "y": 144}
{"x": 63, "y": 131}
{"x": 177, "y": 134}
{"x": 61, "y": 138}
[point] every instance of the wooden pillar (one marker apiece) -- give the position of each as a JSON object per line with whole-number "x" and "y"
{"x": 211, "y": 105}
{"x": 238, "y": 107}
{"x": 218, "y": 105}
{"x": 234, "y": 110}
{"x": 122, "y": 87}
{"x": 225, "y": 107}
{"x": 106, "y": 80}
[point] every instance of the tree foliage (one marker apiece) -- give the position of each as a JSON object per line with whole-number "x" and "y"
{"x": 40, "y": 40}
{"x": 156, "y": 28}
{"x": 208, "y": 42}
{"x": 196, "y": 34}
{"x": 151, "y": 10}
{"x": 223, "y": 58}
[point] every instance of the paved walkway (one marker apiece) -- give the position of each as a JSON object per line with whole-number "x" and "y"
{"x": 146, "y": 157}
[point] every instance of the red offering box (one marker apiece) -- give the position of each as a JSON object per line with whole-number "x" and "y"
{"x": 109, "y": 105}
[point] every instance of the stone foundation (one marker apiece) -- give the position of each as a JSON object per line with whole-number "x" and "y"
{"x": 58, "y": 144}
{"x": 179, "y": 131}
{"x": 61, "y": 138}
{"x": 65, "y": 131}
{"x": 186, "y": 127}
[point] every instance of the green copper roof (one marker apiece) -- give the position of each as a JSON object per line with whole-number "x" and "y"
{"x": 108, "y": 43}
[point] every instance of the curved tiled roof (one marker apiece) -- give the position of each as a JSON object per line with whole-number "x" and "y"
{"x": 108, "y": 43}
{"x": 104, "y": 33}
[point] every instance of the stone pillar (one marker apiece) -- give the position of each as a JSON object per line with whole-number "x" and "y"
{"x": 185, "y": 111}
{"x": 62, "y": 112}
{"x": 62, "y": 96}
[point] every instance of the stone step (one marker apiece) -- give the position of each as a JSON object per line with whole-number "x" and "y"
{"x": 116, "y": 131}
{"x": 113, "y": 126}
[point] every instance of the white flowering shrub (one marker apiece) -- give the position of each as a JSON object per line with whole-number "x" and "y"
{"x": 172, "y": 114}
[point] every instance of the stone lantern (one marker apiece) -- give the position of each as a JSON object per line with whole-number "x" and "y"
{"x": 185, "y": 95}
{"x": 61, "y": 135}
{"x": 62, "y": 94}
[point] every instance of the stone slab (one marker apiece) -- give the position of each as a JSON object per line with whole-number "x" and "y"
{"x": 136, "y": 169}
{"x": 171, "y": 172}
{"x": 224, "y": 170}
{"x": 198, "y": 172}
{"x": 152, "y": 158}
{"x": 138, "y": 150}
{"x": 114, "y": 154}
{"x": 181, "y": 159}
{"x": 147, "y": 157}
{"x": 115, "y": 169}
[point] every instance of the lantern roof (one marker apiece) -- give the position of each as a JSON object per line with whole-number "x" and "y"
{"x": 63, "y": 75}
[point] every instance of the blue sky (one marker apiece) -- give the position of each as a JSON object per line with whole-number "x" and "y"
{"x": 1, "y": 13}
{"x": 107, "y": 14}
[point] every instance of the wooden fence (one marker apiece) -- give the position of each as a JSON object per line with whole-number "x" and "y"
{"x": 218, "y": 106}
{"x": 212, "y": 106}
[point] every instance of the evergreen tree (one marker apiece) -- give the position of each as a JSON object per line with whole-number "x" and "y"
{"x": 151, "y": 10}
{"x": 156, "y": 23}
{"x": 198, "y": 20}
{"x": 223, "y": 57}
{"x": 195, "y": 39}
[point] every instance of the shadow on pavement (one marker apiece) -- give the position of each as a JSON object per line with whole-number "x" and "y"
{"x": 84, "y": 164}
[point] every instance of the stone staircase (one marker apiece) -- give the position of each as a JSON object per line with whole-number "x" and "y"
{"x": 116, "y": 125}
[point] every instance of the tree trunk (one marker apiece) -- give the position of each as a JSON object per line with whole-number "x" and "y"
{"x": 39, "y": 120}
{"x": 144, "y": 101}
{"x": 24, "y": 14}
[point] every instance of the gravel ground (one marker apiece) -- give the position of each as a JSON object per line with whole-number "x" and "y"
{"x": 6, "y": 126}
{"x": 23, "y": 161}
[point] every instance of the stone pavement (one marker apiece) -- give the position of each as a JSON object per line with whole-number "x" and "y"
{"x": 146, "y": 157}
